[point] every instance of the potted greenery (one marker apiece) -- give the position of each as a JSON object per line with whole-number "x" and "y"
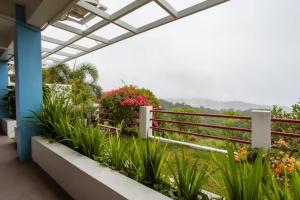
{"x": 9, "y": 124}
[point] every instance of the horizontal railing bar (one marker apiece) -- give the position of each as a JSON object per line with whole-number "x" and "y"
{"x": 203, "y": 125}
{"x": 202, "y": 135}
{"x": 201, "y": 115}
{"x": 293, "y": 121}
{"x": 285, "y": 134}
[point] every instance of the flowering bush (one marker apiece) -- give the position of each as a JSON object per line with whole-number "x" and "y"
{"x": 121, "y": 105}
{"x": 282, "y": 158}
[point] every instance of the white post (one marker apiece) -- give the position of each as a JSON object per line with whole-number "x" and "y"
{"x": 145, "y": 121}
{"x": 261, "y": 129}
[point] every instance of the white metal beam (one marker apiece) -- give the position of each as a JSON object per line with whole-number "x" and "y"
{"x": 96, "y": 11}
{"x": 63, "y": 44}
{"x": 129, "y": 8}
{"x": 167, "y": 7}
{"x": 79, "y": 32}
{"x": 199, "y": 7}
{"x": 61, "y": 53}
{"x": 115, "y": 18}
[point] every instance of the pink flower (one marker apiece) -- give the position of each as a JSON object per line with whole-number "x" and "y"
{"x": 128, "y": 102}
{"x": 141, "y": 100}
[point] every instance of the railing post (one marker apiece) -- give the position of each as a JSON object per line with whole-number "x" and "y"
{"x": 145, "y": 116}
{"x": 261, "y": 129}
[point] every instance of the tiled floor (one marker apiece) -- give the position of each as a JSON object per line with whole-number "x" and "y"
{"x": 24, "y": 180}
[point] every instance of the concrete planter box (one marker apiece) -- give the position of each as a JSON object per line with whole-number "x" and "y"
{"x": 8, "y": 127}
{"x": 84, "y": 178}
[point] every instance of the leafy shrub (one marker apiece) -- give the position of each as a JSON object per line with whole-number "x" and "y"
{"x": 282, "y": 158}
{"x": 122, "y": 105}
{"x": 189, "y": 179}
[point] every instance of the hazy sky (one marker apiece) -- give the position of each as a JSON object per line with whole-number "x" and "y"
{"x": 245, "y": 50}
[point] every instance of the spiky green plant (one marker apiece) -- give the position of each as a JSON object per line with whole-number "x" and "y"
{"x": 91, "y": 141}
{"x": 56, "y": 109}
{"x": 295, "y": 188}
{"x": 189, "y": 179}
{"x": 274, "y": 190}
{"x": 243, "y": 181}
{"x": 151, "y": 157}
{"x": 116, "y": 153}
{"x": 288, "y": 190}
{"x": 132, "y": 162}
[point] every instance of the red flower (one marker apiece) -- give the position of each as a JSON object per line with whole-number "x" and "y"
{"x": 128, "y": 102}
{"x": 142, "y": 100}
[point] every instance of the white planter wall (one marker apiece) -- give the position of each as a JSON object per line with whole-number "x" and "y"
{"x": 84, "y": 178}
{"x": 8, "y": 127}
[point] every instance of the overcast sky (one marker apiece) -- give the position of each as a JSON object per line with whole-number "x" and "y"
{"x": 245, "y": 50}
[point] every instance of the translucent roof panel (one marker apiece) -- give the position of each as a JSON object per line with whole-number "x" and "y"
{"x": 49, "y": 45}
{"x": 110, "y": 31}
{"x": 60, "y": 57}
{"x": 141, "y": 16}
{"x": 54, "y": 32}
{"x": 93, "y": 21}
{"x": 183, "y": 4}
{"x": 86, "y": 42}
{"x": 115, "y": 5}
{"x": 47, "y": 62}
{"x": 70, "y": 50}
{"x": 96, "y": 28}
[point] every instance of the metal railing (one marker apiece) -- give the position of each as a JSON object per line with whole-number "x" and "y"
{"x": 160, "y": 129}
{"x": 246, "y": 130}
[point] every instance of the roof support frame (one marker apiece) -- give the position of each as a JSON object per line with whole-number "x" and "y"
{"x": 115, "y": 19}
{"x": 167, "y": 7}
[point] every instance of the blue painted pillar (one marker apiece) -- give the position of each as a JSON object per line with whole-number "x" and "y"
{"x": 28, "y": 81}
{"x": 3, "y": 88}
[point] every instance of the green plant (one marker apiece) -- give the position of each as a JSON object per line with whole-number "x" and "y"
{"x": 288, "y": 190}
{"x": 243, "y": 181}
{"x": 116, "y": 153}
{"x": 56, "y": 111}
{"x": 10, "y": 99}
{"x": 295, "y": 185}
{"x": 151, "y": 157}
{"x": 83, "y": 79}
{"x": 189, "y": 179}
{"x": 91, "y": 141}
{"x": 274, "y": 190}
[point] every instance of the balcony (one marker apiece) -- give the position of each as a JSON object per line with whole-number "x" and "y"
{"x": 24, "y": 179}
{"x": 62, "y": 155}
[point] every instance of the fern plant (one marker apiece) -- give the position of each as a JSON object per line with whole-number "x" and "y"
{"x": 189, "y": 179}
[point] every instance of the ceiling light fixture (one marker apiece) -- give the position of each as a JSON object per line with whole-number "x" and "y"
{"x": 76, "y": 13}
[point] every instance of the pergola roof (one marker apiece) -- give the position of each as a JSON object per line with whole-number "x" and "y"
{"x": 67, "y": 37}
{"x": 99, "y": 29}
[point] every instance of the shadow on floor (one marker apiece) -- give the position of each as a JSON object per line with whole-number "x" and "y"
{"x": 24, "y": 180}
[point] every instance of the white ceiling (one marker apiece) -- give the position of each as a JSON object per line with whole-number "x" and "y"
{"x": 37, "y": 13}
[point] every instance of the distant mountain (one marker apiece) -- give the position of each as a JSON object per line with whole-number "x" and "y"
{"x": 219, "y": 105}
